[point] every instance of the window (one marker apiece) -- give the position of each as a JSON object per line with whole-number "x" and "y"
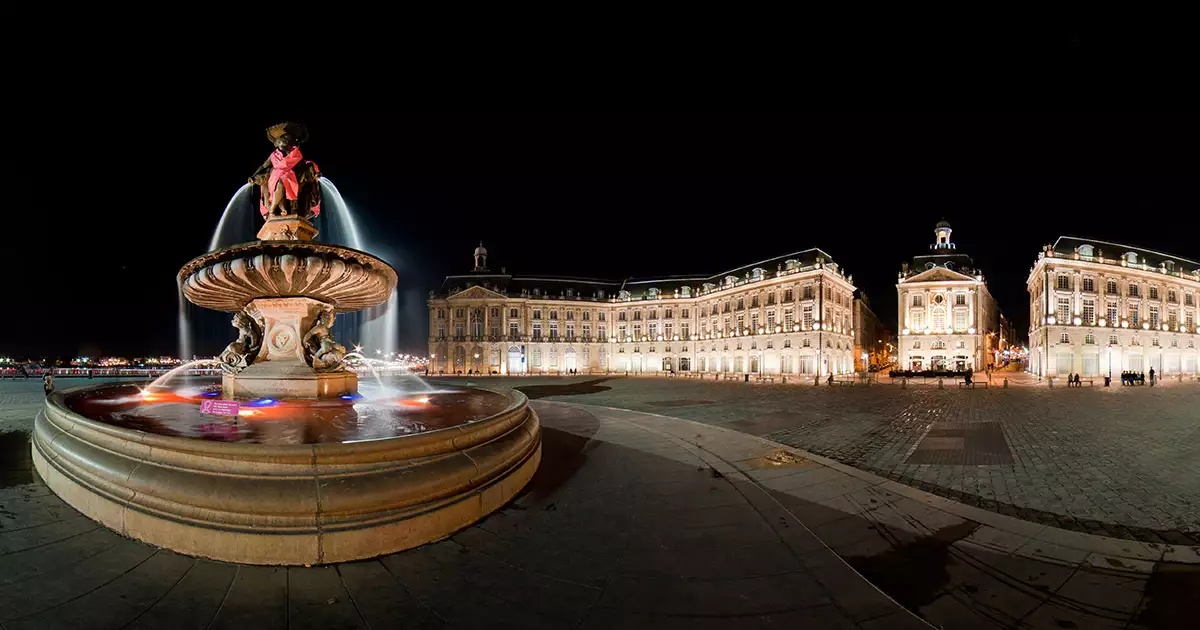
{"x": 553, "y": 315}
{"x": 1188, "y": 300}
{"x": 667, "y": 330}
{"x": 654, "y": 313}
{"x": 570, "y": 316}
{"x": 938, "y": 345}
{"x": 807, "y": 343}
{"x": 683, "y": 330}
{"x": 537, "y": 313}
{"x": 960, "y": 299}
{"x": 1188, "y": 321}
{"x": 771, "y": 298}
{"x": 637, "y": 316}
{"x": 1112, "y": 312}
{"x": 513, "y": 329}
{"x": 1153, "y": 293}
{"x": 788, "y": 295}
{"x": 621, "y": 316}
{"x": 512, "y": 312}
{"x": 741, "y": 322}
{"x": 1172, "y": 296}
{"x": 1089, "y": 285}
{"x": 1064, "y": 338}
{"x": 917, "y": 319}
{"x": 754, "y": 322}
{"x": 1133, "y": 315}
{"x": 623, "y": 332}
{"x": 960, "y": 320}
{"x": 587, "y": 316}
{"x": 537, "y": 330}
{"x": 1154, "y": 317}
{"x": 1154, "y": 341}
{"x": 1112, "y": 340}
{"x": 570, "y": 331}
{"x": 741, "y": 304}
{"x": 1063, "y": 312}
{"x": 1172, "y": 320}
{"x": 939, "y": 319}
{"x": 601, "y": 332}
{"x": 459, "y": 330}
{"x": 495, "y": 312}
{"x": 807, "y": 315}
{"x": 1064, "y": 281}
{"x": 789, "y": 318}
{"x": 1089, "y": 339}
{"x": 554, "y": 330}
{"x": 787, "y": 343}
{"x": 808, "y": 291}
{"x": 1131, "y": 257}
{"x": 460, "y": 313}
{"x": 962, "y": 345}
{"x": 1110, "y": 287}
{"x": 441, "y": 334}
{"x": 441, "y": 313}
{"x": 683, "y": 313}
{"x": 667, "y": 313}
{"x": 637, "y": 332}
{"x": 918, "y": 300}
{"x": 1133, "y": 290}
{"x": 600, "y": 316}
{"x": 1089, "y": 312}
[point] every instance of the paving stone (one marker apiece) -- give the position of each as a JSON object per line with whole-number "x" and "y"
{"x": 383, "y": 602}
{"x": 317, "y": 599}
{"x": 746, "y": 596}
{"x": 116, "y": 603}
{"x": 257, "y": 598}
{"x": 1117, "y": 594}
{"x": 192, "y": 603}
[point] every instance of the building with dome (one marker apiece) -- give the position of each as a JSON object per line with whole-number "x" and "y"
{"x": 947, "y": 318}
{"x": 1098, "y": 309}
{"x": 789, "y": 315}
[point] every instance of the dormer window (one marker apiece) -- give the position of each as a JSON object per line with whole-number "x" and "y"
{"x": 1131, "y": 258}
{"x": 624, "y": 295}
{"x": 1085, "y": 250}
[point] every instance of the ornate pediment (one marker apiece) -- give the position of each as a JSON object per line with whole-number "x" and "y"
{"x": 939, "y": 274}
{"x": 476, "y": 293}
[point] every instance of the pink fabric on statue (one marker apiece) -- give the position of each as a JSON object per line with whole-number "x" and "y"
{"x": 281, "y": 169}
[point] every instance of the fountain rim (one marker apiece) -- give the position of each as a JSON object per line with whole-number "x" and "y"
{"x": 425, "y": 442}
{"x": 234, "y": 251}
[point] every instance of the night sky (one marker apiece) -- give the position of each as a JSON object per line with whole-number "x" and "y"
{"x": 93, "y": 240}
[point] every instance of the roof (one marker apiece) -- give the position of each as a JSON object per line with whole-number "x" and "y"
{"x": 1067, "y": 246}
{"x": 942, "y": 224}
{"x": 591, "y": 288}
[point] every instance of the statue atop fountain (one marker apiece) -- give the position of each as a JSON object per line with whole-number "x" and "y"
{"x": 286, "y": 290}
{"x": 289, "y": 187}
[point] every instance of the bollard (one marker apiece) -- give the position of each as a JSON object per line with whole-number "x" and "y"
{"x": 939, "y": 382}
{"x": 1005, "y": 382}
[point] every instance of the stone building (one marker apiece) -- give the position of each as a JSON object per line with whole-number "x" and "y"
{"x": 1098, "y": 309}
{"x": 786, "y": 315}
{"x": 948, "y": 319}
{"x": 873, "y": 342}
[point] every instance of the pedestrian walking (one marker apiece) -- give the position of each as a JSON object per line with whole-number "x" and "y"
{"x": 48, "y": 382}
{"x": 1151, "y": 377}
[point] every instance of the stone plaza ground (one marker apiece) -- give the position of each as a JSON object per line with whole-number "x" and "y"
{"x": 676, "y": 514}
{"x": 1117, "y": 461}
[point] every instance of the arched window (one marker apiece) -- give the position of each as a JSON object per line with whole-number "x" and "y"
{"x": 1131, "y": 257}
{"x": 1085, "y": 250}
{"x": 939, "y": 318}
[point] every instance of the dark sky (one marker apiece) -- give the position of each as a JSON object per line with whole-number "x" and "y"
{"x": 93, "y": 240}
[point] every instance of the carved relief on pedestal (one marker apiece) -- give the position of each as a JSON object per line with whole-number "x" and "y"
{"x": 244, "y": 350}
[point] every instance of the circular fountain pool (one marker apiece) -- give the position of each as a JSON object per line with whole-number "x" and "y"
{"x": 291, "y": 482}
{"x": 350, "y": 418}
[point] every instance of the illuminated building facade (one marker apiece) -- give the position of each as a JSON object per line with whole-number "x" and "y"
{"x": 1099, "y": 309}
{"x": 948, "y": 318}
{"x": 790, "y": 315}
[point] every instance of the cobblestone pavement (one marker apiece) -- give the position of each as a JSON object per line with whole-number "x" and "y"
{"x": 1121, "y": 462}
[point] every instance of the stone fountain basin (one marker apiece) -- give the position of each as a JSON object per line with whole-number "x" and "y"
{"x": 286, "y": 504}
{"x": 229, "y": 279}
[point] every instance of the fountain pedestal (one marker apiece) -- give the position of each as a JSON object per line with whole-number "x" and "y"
{"x": 287, "y": 228}
{"x": 282, "y": 368}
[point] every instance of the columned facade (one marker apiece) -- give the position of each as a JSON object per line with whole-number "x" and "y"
{"x": 791, "y": 315}
{"x": 1099, "y": 309}
{"x": 948, "y": 319}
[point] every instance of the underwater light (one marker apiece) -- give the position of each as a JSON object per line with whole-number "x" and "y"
{"x": 262, "y": 402}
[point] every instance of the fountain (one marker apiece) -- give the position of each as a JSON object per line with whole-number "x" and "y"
{"x": 301, "y": 468}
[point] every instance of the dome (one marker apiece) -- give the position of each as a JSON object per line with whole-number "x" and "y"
{"x": 480, "y": 251}
{"x": 942, "y": 224}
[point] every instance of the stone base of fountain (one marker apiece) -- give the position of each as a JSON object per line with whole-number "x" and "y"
{"x": 286, "y": 504}
{"x": 288, "y": 228}
{"x": 288, "y": 379}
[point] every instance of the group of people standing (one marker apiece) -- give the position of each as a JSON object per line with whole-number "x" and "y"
{"x": 1136, "y": 378}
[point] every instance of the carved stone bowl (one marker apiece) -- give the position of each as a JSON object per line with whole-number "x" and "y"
{"x": 286, "y": 504}
{"x": 228, "y": 279}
